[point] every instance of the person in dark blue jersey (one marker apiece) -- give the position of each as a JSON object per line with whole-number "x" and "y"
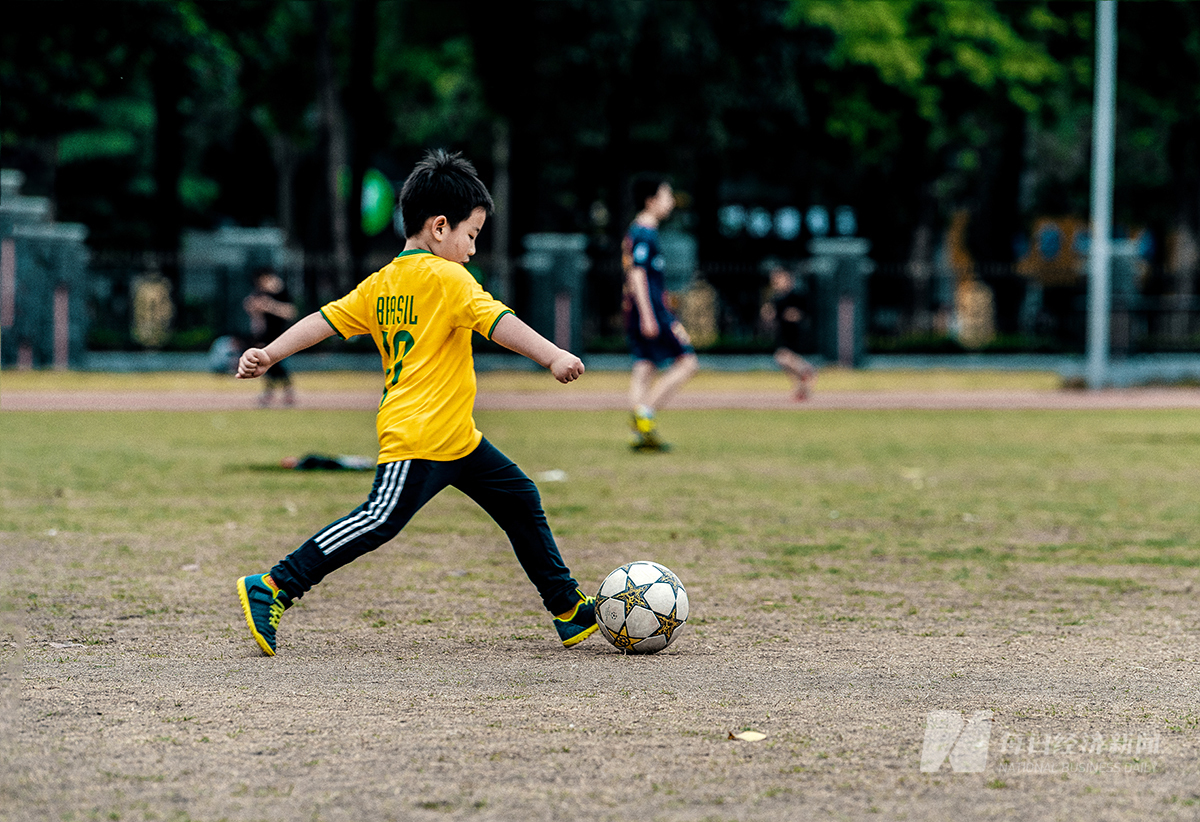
{"x": 663, "y": 358}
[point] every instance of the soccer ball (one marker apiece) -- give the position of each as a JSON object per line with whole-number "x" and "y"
{"x": 641, "y": 606}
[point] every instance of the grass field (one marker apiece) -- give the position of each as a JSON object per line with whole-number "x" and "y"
{"x": 849, "y": 572}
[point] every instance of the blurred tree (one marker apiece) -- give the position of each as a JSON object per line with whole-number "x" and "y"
{"x": 274, "y": 123}
{"x": 139, "y": 117}
{"x": 943, "y": 88}
{"x": 1157, "y": 163}
{"x": 337, "y": 159}
{"x": 363, "y": 114}
{"x": 389, "y": 79}
{"x": 103, "y": 105}
{"x": 597, "y": 91}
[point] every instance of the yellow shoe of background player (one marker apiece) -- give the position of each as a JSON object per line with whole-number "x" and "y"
{"x": 645, "y": 432}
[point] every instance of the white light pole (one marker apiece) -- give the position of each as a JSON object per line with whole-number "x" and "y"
{"x": 1099, "y": 288}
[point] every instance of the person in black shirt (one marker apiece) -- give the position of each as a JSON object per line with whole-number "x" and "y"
{"x": 787, "y": 313}
{"x": 271, "y": 312}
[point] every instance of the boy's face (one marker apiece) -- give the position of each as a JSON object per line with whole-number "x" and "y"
{"x": 458, "y": 244}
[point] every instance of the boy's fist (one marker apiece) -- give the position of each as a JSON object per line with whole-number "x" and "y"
{"x": 254, "y": 362}
{"x": 566, "y": 367}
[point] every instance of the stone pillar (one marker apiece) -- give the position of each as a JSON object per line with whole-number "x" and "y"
{"x": 557, "y": 265}
{"x": 43, "y": 282}
{"x": 841, "y": 267}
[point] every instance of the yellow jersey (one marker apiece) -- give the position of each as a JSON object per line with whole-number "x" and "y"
{"x": 421, "y": 309}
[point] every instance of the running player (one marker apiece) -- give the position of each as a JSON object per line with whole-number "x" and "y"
{"x": 663, "y": 359}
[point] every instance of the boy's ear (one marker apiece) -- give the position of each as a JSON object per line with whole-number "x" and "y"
{"x": 438, "y": 226}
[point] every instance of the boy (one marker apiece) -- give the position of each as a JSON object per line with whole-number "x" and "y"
{"x": 787, "y": 312}
{"x": 656, "y": 338}
{"x": 421, "y": 310}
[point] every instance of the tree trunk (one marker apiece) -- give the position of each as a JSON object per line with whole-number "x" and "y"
{"x": 286, "y": 157}
{"x": 362, "y": 108}
{"x": 168, "y": 90}
{"x": 502, "y": 197}
{"x": 338, "y": 152}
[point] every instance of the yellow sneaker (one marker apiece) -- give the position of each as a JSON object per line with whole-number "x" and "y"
{"x": 579, "y": 624}
{"x": 263, "y": 605}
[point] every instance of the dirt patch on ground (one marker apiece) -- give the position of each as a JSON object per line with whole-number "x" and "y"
{"x": 402, "y": 694}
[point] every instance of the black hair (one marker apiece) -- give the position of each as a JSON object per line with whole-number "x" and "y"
{"x": 442, "y": 184}
{"x": 645, "y": 186}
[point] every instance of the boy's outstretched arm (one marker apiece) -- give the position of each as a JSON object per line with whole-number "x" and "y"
{"x": 304, "y": 334}
{"x": 512, "y": 333}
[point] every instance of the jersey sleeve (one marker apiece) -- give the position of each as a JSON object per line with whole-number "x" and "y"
{"x": 638, "y": 248}
{"x": 349, "y": 315}
{"x": 475, "y": 308}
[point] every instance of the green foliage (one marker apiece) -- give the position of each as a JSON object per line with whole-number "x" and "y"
{"x": 962, "y": 69}
{"x": 909, "y": 109}
{"x": 79, "y": 84}
{"x": 433, "y": 92}
{"x": 95, "y": 144}
{"x": 921, "y": 47}
{"x": 870, "y": 34}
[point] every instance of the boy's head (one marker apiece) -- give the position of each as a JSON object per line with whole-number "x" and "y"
{"x": 653, "y": 192}
{"x": 442, "y": 185}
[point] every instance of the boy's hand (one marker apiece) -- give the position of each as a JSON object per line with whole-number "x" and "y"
{"x": 566, "y": 367}
{"x": 254, "y": 362}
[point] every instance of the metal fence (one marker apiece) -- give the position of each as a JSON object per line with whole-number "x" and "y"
{"x": 908, "y": 308}
{"x": 915, "y": 310}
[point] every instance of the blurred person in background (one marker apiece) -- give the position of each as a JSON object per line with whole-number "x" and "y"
{"x": 271, "y": 312}
{"x": 663, "y": 358}
{"x": 786, "y": 314}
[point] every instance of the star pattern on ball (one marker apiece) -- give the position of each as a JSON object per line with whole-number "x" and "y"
{"x": 633, "y": 596}
{"x": 622, "y": 640}
{"x": 673, "y": 581}
{"x": 667, "y": 625}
